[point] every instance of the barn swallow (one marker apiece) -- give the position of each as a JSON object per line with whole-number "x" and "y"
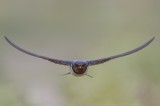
{"x": 79, "y": 67}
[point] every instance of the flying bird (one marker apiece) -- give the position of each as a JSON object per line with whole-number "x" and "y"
{"x": 79, "y": 67}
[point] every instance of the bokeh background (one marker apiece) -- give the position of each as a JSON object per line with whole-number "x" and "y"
{"x": 79, "y": 29}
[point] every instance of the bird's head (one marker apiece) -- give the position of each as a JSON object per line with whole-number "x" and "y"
{"x": 79, "y": 67}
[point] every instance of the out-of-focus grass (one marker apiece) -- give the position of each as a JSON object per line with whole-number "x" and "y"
{"x": 9, "y": 97}
{"x": 79, "y": 29}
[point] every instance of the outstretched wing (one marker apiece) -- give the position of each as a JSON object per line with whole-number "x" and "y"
{"x": 99, "y": 61}
{"x": 57, "y": 61}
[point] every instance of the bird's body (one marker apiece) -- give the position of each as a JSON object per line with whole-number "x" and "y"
{"x": 79, "y": 67}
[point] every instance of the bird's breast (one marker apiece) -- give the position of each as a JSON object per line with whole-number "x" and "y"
{"x": 79, "y": 70}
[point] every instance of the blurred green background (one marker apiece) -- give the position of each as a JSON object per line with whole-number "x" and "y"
{"x": 79, "y": 29}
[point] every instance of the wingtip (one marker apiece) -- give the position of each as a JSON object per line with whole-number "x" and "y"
{"x": 5, "y": 37}
{"x": 153, "y": 37}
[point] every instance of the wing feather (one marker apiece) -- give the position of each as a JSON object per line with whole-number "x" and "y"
{"x": 99, "y": 61}
{"x": 56, "y": 61}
